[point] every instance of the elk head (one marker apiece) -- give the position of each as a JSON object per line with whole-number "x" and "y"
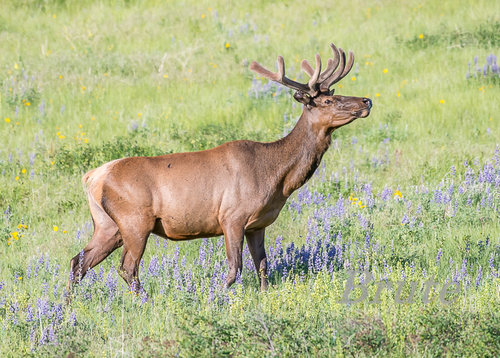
{"x": 328, "y": 110}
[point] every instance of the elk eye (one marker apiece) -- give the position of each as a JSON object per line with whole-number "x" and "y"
{"x": 328, "y": 101}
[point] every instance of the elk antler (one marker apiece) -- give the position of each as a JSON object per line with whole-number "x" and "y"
{"x": 336, "y": 69}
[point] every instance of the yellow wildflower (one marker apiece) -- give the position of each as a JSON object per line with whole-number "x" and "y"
{"x": 386, "y": 70}
{"x": 227, "y": 45}
{"x": 398, "y": 193}
{"x": 55, "y": 228}
{"x": 421, "y": 36}
{"x": 7, "y": 120}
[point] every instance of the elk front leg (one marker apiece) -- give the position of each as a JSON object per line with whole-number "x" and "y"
{"x": 233, "y": 238}
{"x": 255, "y": 241}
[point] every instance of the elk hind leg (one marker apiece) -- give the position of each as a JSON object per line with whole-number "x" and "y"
{"x": 134, "y": 238}
{"x": 105, "y": 239}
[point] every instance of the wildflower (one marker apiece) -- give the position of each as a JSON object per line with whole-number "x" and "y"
{"x": 7, "y": 120}
{"x": 165, "y": 76}
{"x": 386, "y": 70}
{"x": 227, "y": 45}
{"x": 55, "y": 228}
{"x": 353, "y": 78}
{"x": 202, "y": 16}
{"x": 377, "y": 94}
{"x": 17, "y": 177}
{"x": 27, "y": 104}
{"x": 84, "y": 88}
{"x": 60, "y": 77}
{"x": 441, "y": 101}
{"x": 421, "y": 36}
{"x": 23, "y": 171}
{"x": 397, "y": 193}
{"x": 479, "y": 276}
{"x": 438, "y": 257}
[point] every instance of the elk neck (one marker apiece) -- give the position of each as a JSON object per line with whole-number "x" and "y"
{"x": 299, "y": 153}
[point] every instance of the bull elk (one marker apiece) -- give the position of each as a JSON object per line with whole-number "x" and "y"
{"x": 236, "y": 189}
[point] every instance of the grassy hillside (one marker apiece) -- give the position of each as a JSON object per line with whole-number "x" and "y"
{"x": 409, "y": 193}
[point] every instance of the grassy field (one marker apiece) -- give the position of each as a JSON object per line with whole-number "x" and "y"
{"x": 411, "y": 193}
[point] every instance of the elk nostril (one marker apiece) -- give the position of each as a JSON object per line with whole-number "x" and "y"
{"x": 368, "y": 102}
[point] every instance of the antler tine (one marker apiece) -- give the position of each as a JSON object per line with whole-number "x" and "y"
{"x": 307, "y": 68}
{"x": 257, "y": 67}
{"x": 332, "y": 64}
{"x": 325, "y": 85}
{"x": 314, "y": 78}
{"x": 330, "y": 67}
{"x": 347, "y": 68}
{"x": 280, "y": 76}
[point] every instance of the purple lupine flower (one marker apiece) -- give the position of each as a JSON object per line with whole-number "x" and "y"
{"x": 55, "y": 291}
{"x": 405, "y": 220}
{"x": 51, "y": 335}
{"x": 367, "y": 239}
{"x": 42, "y": 307}
{"x": 386, "y": 194}
{"x": 43, "y": 337}
{"x": 58, "y": 313}
{"x": 463, "y": 271}
{"x": 492, "y": 266}
{"x": 154, "y": 267}
{"x": 111, "y": 284}
{"x": 7, "y": 212}
{"x": 72, "y": 319}
{"x": 479, "y": 276}
{"x": 438, "y": 257}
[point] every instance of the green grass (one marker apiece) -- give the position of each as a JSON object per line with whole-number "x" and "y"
{"x": 108, "y": 79}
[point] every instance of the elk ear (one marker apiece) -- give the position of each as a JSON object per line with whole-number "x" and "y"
{"x": 302, "y": 98}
